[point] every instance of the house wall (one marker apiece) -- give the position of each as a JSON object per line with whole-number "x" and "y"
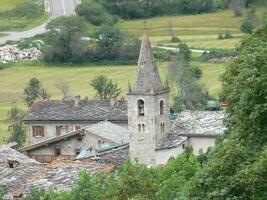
{"x": 201, "y": 143}
{"x": 162, "y": 156}
{"x": 50, "y": 130}
{"x": 69, "y": 146}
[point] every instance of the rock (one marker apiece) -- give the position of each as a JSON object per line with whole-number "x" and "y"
{"x": 11, "y": 53}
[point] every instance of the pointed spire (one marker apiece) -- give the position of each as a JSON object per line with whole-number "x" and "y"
{"x": 147, "y": 78}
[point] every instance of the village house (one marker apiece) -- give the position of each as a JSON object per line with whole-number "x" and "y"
{"x": 89, "y": 129}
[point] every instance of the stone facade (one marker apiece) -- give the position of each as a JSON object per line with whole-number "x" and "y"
{"x": 50, "y": 129}
{"x": 148, "y": 108}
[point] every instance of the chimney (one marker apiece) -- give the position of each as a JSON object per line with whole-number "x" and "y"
{"x": 113, "y": 102}
{"x": 77, "y": 100}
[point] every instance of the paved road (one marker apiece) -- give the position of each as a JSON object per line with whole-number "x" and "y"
{"x": 177, "y": 49}
{"x": 57, "y": 8}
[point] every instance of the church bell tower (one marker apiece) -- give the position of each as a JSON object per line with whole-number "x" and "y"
{"x": 148, "y": 108}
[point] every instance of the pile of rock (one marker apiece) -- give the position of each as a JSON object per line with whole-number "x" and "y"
{"x": 11, "y": 53}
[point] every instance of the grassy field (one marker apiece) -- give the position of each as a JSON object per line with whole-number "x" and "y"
{"x": 9, "y": 4}
{"x": 17, "y": 23}
{"x": 197, "y": 31}
{"x": 11, "y": 93}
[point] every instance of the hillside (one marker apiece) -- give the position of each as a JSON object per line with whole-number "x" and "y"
{"x": 197, "y": 31}
{"x": 9, "y": 4}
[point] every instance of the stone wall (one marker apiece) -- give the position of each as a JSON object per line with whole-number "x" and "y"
{"x": 50, "y": 130}
{"x": 69, "y": 146}
{"x": 143, "y": 144}
{"x": 201, "y": 143}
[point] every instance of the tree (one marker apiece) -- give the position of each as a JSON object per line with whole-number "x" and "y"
{"x": 250, "y": 22}
{"x": 237, "y": 6}
{"x": 105, "y": 88}
{"x": 18, "y": 134}
{"x": 34, "y": 91}
{"x": 15, "y": 115}
{"x": 64, "y": 88}
{"x": 190, "y": 96}
{"x": 64, "y": 40}
{"x": 95, "y": 13}
{"x": 184, "y": 53}
{"x": 235, "y": 168}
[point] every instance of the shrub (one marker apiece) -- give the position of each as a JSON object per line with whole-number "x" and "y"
{"x": 175, "y": 39}
{"x": 95, "y": 13}
{"x": 227, "y": 35}
{"x": 220, "y": 36}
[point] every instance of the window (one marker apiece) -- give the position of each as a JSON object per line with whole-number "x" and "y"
{"x": 140, "y": 107}
{"x": 143, "y": 127}
{"x": 58, "y": 130}
{"x": 77, "y": 127}
{"x": 162, "y": 127}
{"x": 99, "y": 142}
{"x": 139, "y": 127}
{"x": 183, "y": 146}
{"x": 161, "y": 105}
{"x": 77, "y": 152}
{"x": 57, "y": 151}
{"x": 38, "y": 131}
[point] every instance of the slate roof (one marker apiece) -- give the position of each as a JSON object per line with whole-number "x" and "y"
{"x": 110, "y": 131}
{"x": 59, "y": 175}
{"x": 193, "y": 124}
{"x": 147, "y": 77}
{"x": 9, "y": 154}
{"x": 115, "y": 154}
{"x": 87, "y": 110}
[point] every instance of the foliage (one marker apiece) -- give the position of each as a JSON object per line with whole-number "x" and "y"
{"x": 30, "y": 9}
{"x": 64, "y": 40}
{"x": 105, "y": 88}
{"x": 219, "y": 53}
{"x": 250, "y": 22}
{"x": 113, "y": 45}
{"x": 2, "y": 192}
{"x": 95, "y": 13}
{"x": 196, "y": 72}
{"x": 237, "y": 6}
{"x": 34, "y": 91}
{"x": 64, "y": 88}
{"x": 235, "y": 167}
{"x": 18, "y": 134}
{"x": 184, "y": 53}
{"x": 190, "y": 96}
{"x": 15, "y": 115}
{"x": 175, "y": 39}
{"x": 26, "y": 14}
{"x": 132, "y": 9}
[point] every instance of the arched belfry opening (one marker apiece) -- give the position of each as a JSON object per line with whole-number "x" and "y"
{"x": 141, "y": 107}
{"x": 161, "y": 107}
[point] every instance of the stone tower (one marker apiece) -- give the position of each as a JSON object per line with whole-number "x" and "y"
{"x": 148, "y": 108}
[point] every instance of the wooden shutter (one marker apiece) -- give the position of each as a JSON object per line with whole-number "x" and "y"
{"x": 33, "y": 131}
{"x": 58, "y": 130}
{"x": 77, "y": 127}
{"x": 42, "y": 131}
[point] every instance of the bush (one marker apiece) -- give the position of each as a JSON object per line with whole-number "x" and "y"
{"x": 227, "y": 35}
{"x": 95, "y": 13}
{"x": 30, "y": 10}
{"x": 196, "y": 71}
{"x": 175, "y": 39}
{"x": 220, "y": 36}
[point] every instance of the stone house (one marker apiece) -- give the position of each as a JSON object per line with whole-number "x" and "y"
{"x": 49, "y": 119}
